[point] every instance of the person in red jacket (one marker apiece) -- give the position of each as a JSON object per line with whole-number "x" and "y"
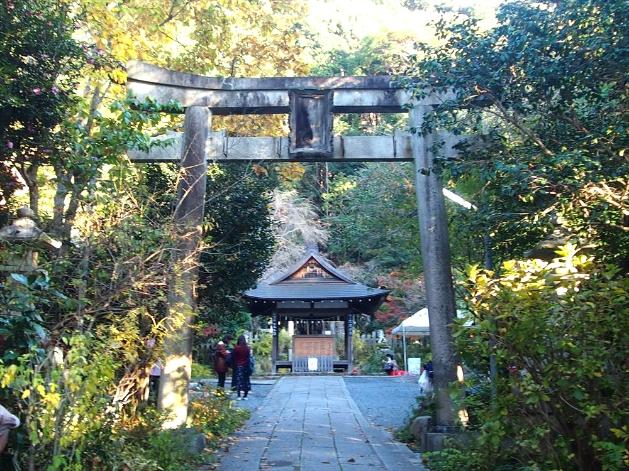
{"x": 220, "y": 360}
{"x": 241, "y": 357}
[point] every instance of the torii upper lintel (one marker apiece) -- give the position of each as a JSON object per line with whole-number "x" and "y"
{"x": 270, "y": 95}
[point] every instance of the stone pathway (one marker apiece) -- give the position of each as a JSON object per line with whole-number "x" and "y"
{"x": 311, "y": 423}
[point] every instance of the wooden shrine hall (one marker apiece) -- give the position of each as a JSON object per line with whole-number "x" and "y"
{"x": 314, "y": 295}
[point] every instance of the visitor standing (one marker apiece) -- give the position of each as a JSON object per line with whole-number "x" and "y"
{"x": 426, "y": 379}
{"x": 221, "y": 356}
{"x": 241, "y": 358}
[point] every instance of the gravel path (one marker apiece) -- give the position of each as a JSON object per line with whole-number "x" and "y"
{"x": 384, "y": 400}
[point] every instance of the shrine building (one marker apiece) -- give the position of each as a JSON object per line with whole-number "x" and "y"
{"x": 314, "y": 301}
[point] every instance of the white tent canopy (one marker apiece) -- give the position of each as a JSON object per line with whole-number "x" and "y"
{"x": 417, "y": 324}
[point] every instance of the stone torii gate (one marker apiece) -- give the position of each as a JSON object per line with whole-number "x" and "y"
{"x": 310, "y": 103}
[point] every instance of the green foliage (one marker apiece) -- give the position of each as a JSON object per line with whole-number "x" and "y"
{"x": 466, "y": 459}
{"x": 72, "y": 364}
{"x": 263, "y": 346}
{"x": 70, "y": 426}
{"x": 40, "y": 65}
{"x": 285, "y": 342}
{"x": 168, "y": 449}
{"x": 200, "y": 371}
{"x": 552, "y": 128}
{"x": 139, "y": 443}
{"x": 373, "y": 217}
{"x": 238, "y": 232}
{"x": 22, "y": 325}
{"x": 237, "y": 237}
{"x": 61, "y": 398}
{"x": 561, "y": 333}
{"x": 369, "y": 357}
{"x": 387, "y": 55}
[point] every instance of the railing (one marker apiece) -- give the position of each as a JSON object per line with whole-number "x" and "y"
{"x": 323, "y": 364}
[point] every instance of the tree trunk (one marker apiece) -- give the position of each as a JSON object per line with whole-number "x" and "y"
{"x": 59, "y": 201}
{"x": 493, "y": 366}
{"x": 30, "y": 176}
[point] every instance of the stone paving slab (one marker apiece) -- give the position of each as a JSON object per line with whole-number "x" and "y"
{"x": 311, "y": 423}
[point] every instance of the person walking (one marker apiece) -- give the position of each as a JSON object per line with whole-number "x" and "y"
{"x": 221, "y": 360}
{"x": 242, "y": 372}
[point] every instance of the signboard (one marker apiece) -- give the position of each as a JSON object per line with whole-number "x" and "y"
{"x": 414, "y": 365}
{"x": 315, "y": 345}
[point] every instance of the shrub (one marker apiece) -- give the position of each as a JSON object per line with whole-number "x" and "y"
{"x": 453, "y": 458}
{"x": 200, "y": 370}
{"x": 216, "y": 417}
{"x": 560, "y": 331}
{"x": 370, "y": 358}
{"x": 169, "y": 449}
{"x": 138, "y": 443}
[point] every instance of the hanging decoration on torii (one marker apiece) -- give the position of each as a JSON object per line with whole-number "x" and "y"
{"x": 310, "y": 120}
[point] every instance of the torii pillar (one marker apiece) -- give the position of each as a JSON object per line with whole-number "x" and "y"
{"x": 187, "y": 221}
{"x": 435, "y": 249}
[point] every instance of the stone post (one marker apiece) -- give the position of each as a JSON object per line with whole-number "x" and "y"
{"x": 349, "y": 337}
{"x": 275, "y": 346}
{"x": 435, "y": 248}
{"x": 188, "y": 218}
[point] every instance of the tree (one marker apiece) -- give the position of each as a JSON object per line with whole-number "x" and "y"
{"x": 547, "y": 89}
{"x": 40, "y": 65}
{"x": 373, "y": 218}
{"x": 296, "y": 227}
{"x": 541, "y": 102}
{"x": 239, "y": 240}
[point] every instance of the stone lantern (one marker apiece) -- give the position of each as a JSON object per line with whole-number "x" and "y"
{"x": 25, "y": 233}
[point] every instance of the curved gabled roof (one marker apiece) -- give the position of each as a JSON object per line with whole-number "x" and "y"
{"x": 323, "y": 262}
{"x": 313, "y": 278}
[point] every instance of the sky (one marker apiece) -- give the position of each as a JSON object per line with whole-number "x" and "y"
{"x": 378, "y": 17}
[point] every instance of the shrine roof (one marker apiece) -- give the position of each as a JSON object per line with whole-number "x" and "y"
{"x": 313, "y": 291}
{"x": 311, "y": 279}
